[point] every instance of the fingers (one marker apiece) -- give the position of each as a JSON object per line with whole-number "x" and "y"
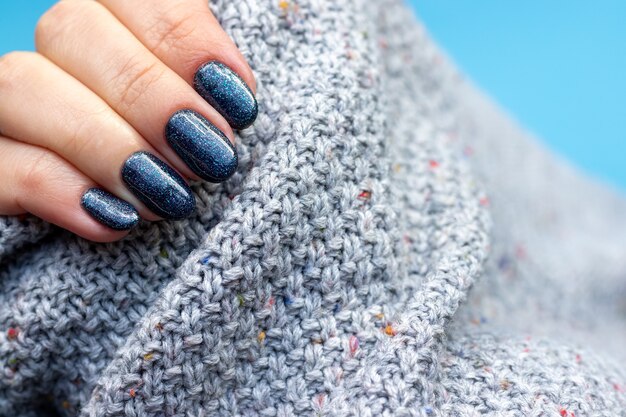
{"x": 42, "y": 183}
{"x": 111, "y": 97}
{"x": 139, "y": 87}
{"x": 185, "y": 35}
{"x": 76, "y": 124}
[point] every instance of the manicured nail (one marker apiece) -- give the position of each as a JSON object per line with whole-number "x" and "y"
{"x": 227, "y": 93}
{"x": 158, "y": 186}
{"x": 203, "y": 147}
{"x": 109, "y": 210}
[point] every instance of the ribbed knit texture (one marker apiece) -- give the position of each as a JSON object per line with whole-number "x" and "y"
{"x": 331, "y": 274}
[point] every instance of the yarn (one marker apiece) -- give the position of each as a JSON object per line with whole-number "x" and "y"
{"x": 331, "y": 274}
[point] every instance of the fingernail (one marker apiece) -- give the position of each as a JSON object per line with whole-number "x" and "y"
{"x": 203, "y": 147}
{"x": 109, "y": 210}
{"x": 227, "y": 93}
{"x": 158, "y": 186}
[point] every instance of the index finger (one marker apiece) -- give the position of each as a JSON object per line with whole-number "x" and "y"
{"x": 186, "y": 36}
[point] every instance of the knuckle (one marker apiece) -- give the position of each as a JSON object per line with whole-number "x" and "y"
{"x": 175, "y": 29}
{"x": 35, "y": 174}
{"x": 50, "y": 22}
{"x": 198, "y": 56}
{"x": 134, "y": 79}
{"x": 86, "y": 128}
{"x": 76, "y": 143}
{"x": 56, "y": 20}
{"x": 9, "y": 61}
{"x": 11, "y": 67}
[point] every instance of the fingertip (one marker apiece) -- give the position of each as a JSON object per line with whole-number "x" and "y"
{"x": 230, "y": 53}
{"x": 221, "y": 85}
{"x": 89, "y": 227}
{"x": 238, "y": 63}
{"x": 85, "y": 226}
{"x": 228, "y": 132}
{"x": 149, "y": 215}
{"x": 247, "y": 75}
{"x": 103, "y": 234}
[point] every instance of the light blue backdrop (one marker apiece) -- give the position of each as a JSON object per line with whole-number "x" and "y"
{"x": 559, "y": 66}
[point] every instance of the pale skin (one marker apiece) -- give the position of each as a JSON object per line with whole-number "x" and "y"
{"x": 102, "y": 84}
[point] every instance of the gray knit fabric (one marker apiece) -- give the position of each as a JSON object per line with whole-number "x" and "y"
{"x": 331, "y": 274}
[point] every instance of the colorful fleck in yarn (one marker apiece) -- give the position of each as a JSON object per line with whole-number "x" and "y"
{"x": 378, "y": 260}
{"x": 365, "y": 195}
{"x": 389, "y": 330}
{"x": 354, "y": 344}
{"x": 12, "y": 333}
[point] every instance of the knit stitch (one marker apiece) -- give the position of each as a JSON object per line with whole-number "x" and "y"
{"x": 331, "y": 274}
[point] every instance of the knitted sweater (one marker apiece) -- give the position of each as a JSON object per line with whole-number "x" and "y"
{"x": 391, "y": 244}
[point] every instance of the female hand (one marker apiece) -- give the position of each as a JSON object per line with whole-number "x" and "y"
{"x": 121, "y": 101}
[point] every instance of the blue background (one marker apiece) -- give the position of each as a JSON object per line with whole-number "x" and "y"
{"x": 558, "y": 66}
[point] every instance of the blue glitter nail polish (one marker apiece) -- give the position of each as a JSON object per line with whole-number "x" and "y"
{"x": 158, "y": 186}
{"x": 203, "y": 147}
{"x": 109, "y": 210}
{"x": 227, "y": 93}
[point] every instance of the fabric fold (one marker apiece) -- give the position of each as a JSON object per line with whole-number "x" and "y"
{"x": 330, "y": 274}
